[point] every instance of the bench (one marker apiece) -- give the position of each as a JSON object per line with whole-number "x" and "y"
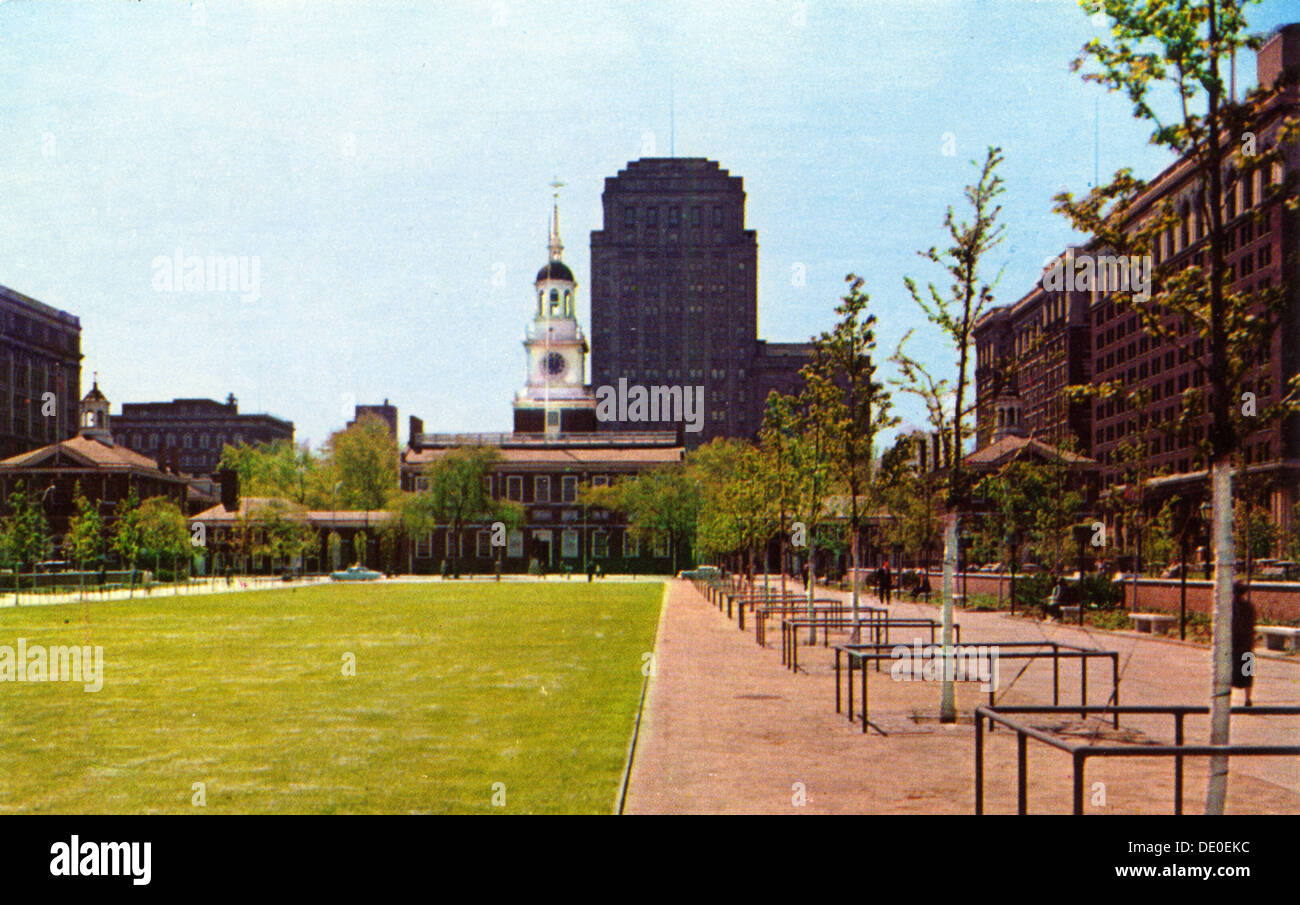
{"x": 1279, "y": 637}
{"x": 1151, "y": 623}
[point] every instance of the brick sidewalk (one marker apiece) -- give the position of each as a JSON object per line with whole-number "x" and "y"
{"x": 728, "y": 730}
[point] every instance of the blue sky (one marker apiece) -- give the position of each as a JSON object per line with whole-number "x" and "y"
{"x": 387, "y": 164}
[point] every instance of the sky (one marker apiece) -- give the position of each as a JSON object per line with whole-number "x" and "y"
{"x": 382, "y": 169}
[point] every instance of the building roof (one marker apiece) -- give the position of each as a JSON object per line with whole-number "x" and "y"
{"x": 1012, "y": 447}
{"x": 88, "y": 453}
{"x": 251, "y": 506}
{"x": 563, "y": 457}
{"x": 555, "y": 270}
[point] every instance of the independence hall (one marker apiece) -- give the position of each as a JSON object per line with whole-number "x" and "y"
{"x": 1028, "y": 353}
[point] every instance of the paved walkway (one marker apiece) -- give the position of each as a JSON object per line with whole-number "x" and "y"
{"x": 728, "y": 730}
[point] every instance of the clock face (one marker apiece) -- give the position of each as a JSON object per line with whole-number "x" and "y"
{"x": 555, "y": 365}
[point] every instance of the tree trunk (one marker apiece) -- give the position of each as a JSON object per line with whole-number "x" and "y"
{"x": 1216, "y": 792}
{"x": 947, "y": 702}
{"x": 857, "y": 626}
{"x": 812, "y": 583}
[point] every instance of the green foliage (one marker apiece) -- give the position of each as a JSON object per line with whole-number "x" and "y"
{"x": 163, "y": 529}
{"x": 1033, "y": 508}
{"x": 737, "y": 511}
{"x": 663, "y": 501}
{"x": 851, "y": 404}
{"x": 955, "y": 313}
{"x": 457, "y": 496}
{"x": 285, "y": 531}
{"x": 85, "y": 542}
{"x": 25, "y": 533}
{"x": 281, "y": 470}
{"x": 365, "y": 458}
{"x": 128, "y": 530}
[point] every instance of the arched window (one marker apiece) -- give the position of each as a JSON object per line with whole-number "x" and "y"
{"x": 568, "y": 302}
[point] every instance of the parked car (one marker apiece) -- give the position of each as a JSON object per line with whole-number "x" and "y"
{"x": 701, "y": 573}
{"x": 355, "y": 573}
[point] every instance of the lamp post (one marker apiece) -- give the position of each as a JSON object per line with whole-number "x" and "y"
{"x": 1082, "y": 532}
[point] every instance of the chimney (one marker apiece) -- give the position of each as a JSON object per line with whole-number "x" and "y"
{"x": 229, "y": 481}
{"x": 1279, "y": 53}
{"x": 416, "y": 428}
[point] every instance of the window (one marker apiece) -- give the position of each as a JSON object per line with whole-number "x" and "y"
{"x": 171, "y": 440}
{"x": 695, "y": 216}
{"x": 541, "y": 489}
{"x": 629, "y": 216}
{"x": 421, "y": 482}
{"x": 652, "y": 216}
{"x": 204, "y": 440}
{"x": 187, "y": 442}
{"x": 674, "y": 216}
{"x": 153, "y": 441}
{"x": 600, "y": 545}
{"x": 717, "y": 215}
{"x": 569, "y": 543}
{"x": 515, "y": 488}
{"x": 483, "y": 544}
{"x": 631, "y": 545}
{"x": 568, "y": 488}
{"x": 515, "y": 544}
{"x": 424, "y": 546}
{"x": 659, "y": 547}
{"x": 599, "y": 480}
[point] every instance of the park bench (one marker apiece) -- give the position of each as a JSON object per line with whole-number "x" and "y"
{"x": 1279, "y": 637}
{"x": 1151, "y": 623}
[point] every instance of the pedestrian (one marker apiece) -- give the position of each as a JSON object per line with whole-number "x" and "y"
{"x": 1243, "y": 640}
{"x": 886, "y": 582}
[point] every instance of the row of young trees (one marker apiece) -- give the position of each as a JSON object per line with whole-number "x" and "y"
{"x": 818, "y": 444}
{"x": 138, "y": 532}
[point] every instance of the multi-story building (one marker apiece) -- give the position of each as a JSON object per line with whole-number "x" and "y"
{"x": 91, "y": 464}
{"x": 1049, "y": 340}
{"x": 189, "y": 434}
{"x": 557, "y": 449}
{"x": 40, "y": 373}
{"x": 674, "y": 294}
{"x": 385, "y": 413}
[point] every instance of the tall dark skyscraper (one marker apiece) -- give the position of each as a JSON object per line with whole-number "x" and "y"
{"x": 674, "y": 284}
{"x": 40, "y": 373}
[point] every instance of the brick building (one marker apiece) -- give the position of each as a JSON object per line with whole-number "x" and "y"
{"x": 40, "y": 353}
{"x": 674, "y": 294}
{"x": 104, "y": 471}
{"x": 189, "y": 434}
{"x": 1027, "y": 353}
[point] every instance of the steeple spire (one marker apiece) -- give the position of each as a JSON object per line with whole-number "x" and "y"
{"x": 557, "y": 247}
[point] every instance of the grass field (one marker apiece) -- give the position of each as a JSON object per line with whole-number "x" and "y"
{"x": 457, "y": 687}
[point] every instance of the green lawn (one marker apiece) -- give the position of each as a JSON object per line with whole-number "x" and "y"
{"x": 457, "y": 687}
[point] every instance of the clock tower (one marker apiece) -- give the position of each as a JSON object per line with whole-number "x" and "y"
{"x": 555, "y": 398}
